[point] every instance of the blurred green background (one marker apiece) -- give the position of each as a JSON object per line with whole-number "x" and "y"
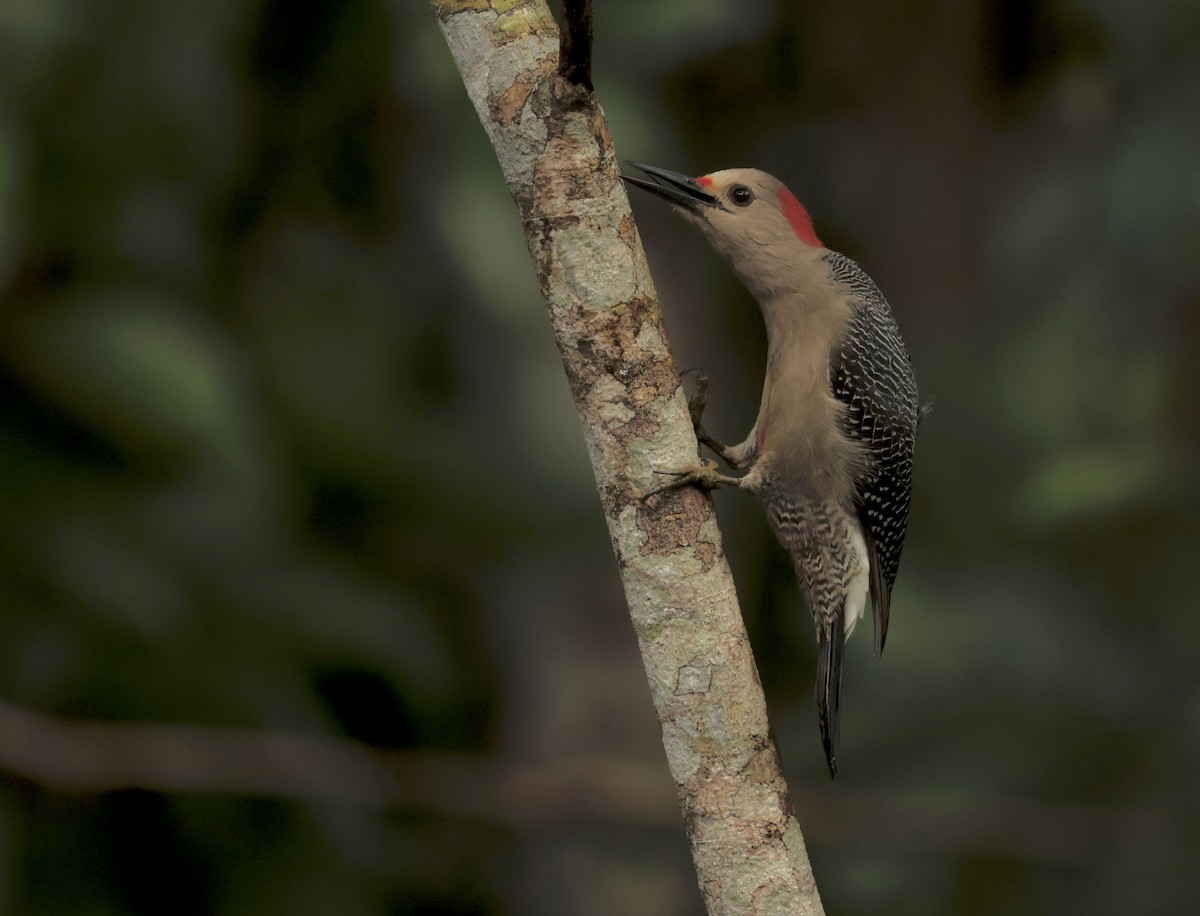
{"x": 306, "y": 601}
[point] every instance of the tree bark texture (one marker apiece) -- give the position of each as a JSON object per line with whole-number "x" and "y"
{"x": 553, "y": 145}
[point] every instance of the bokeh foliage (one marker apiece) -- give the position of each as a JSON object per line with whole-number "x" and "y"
{"x": 284, "y": 444}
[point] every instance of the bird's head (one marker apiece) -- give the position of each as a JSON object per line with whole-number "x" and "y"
{"x": 750, "y": 217}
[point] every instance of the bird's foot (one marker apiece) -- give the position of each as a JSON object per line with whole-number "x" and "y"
{"x": 703, "y": 474}
{"x": 698, "y": 401}
{"x": 696, "y": 404}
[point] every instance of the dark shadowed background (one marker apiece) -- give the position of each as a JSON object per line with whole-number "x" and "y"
{"x": 306, "y": 601}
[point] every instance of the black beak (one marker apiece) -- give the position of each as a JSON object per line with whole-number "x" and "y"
{"x": 673, "y": 187}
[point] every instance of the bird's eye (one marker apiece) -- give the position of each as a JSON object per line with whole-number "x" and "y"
{"x": 741, "y": 195}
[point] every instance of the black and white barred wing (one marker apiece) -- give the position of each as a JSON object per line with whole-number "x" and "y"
{"x": 872, "y": 375}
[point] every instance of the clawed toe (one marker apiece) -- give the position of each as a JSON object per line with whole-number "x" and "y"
{"x": 681, "y": 478}
{"x": 703, "y": 475}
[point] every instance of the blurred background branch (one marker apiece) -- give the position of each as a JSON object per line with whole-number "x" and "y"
{"x": 89, "y": 757}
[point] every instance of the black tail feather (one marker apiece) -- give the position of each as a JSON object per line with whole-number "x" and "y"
{"x": 881, "y": 599}
{"x": 831, "y": 648}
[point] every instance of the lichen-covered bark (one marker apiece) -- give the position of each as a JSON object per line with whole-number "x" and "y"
{"x": 553, "y": 145}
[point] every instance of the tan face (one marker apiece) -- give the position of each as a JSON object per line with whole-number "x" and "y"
{"x": 754, "y": 205}
{"x": 759, "y": 227}
{"x": 750, "y": 218}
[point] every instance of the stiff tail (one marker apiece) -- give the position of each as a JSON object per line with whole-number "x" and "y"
{"x": 831, "y": 647}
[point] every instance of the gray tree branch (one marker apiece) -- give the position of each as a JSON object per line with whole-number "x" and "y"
{"x": 552, "y": 142}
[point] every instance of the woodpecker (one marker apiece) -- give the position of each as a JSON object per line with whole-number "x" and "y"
{"x": 831, "y": 453}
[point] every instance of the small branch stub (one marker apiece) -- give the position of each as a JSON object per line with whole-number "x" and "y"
{"x": 575, "y": 46}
